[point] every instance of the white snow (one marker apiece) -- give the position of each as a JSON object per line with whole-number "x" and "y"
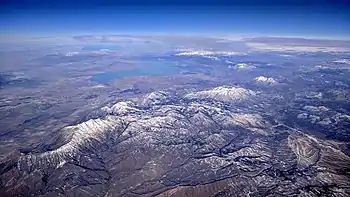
{"x": 265, "y": 80}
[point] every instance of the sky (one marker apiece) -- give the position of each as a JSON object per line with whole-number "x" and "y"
{"x": 291, "y": 18}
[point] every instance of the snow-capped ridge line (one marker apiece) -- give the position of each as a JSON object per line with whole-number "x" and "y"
{"x": 126, "y": 121}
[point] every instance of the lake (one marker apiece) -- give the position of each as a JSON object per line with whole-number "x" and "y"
{"x": 147, "y": 68}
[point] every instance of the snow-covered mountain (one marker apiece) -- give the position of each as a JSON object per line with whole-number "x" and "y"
{"x": 223, "y": 93}
{"x": 265, "y": 80}
{"x": 207, "y": 53}
{"x": 191, "y": 139}
{"x": 126, "y": 121}
{"x": 343, "y": 61}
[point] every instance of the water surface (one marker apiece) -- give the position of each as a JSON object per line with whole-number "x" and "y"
{"x": 147, "y": 68}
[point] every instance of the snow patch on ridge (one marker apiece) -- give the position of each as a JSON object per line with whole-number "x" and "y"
{"x": 223, "y": 93}
{"x": 265, "y": 80}
{"x": 206, "y": 53}
{"x": 155, "y": 98}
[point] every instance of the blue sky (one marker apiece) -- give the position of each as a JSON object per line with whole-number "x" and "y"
{"x": 297, "y": 18}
